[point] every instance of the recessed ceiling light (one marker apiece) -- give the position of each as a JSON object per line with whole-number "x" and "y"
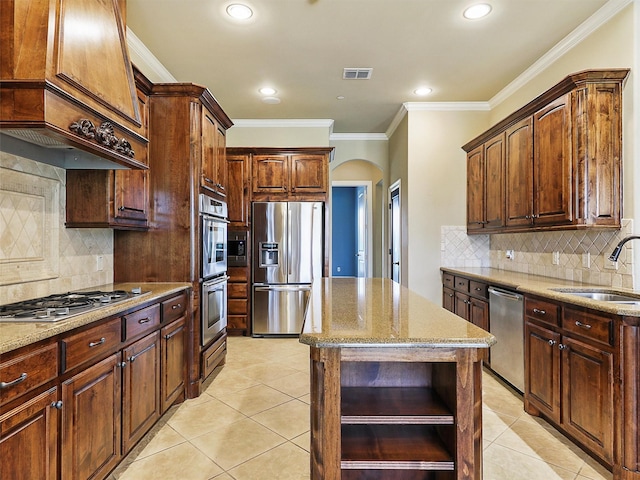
{"x": 422, "y": 91}
{"x": 340, "y": 97}
{"x": 271, "y": 100}
{"x": 267, "y": 91}
{"x": 477, "y": 11}
{"x": 239, "y": 11}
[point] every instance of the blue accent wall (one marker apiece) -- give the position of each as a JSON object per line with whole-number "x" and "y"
{"x": 344, "y": 222}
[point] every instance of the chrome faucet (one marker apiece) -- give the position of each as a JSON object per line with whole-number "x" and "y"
{"x": 616, "y": 251}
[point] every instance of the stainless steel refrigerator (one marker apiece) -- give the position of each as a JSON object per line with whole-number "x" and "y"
{"x": 287, "y": 256}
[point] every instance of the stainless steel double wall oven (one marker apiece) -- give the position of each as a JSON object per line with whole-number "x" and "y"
{"x": 213, "y": 218}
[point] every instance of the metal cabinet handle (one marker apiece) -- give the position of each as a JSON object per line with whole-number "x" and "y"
{"x": 144, "y": 320}
{"x": 562, "y": 346}
{"x": 552, "y": 342}
{"x": 57, "y": 405}
{"x": 478, "y": 289}
{"x": 23, "y": 376}
{"x": 539, "y": 312}
{"x": 207, "y": 179}
{"x": 583, "y": 325}
{"x": 99, "y": 342}
{"x": 132, "y": 358}
{"x": 177, "y": 305}
{"x": 451, "y": 294}
{"x": 121, "y": 364}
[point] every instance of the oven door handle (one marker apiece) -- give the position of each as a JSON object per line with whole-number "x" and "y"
{"x": 218, "y": 281}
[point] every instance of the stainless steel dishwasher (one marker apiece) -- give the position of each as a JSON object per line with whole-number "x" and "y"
{"x": 506, "y": 322}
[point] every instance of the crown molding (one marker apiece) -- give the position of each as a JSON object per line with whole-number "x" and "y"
{"x": 586, "y": 28}
{"x": 148, "y": 61}
{"x": 282, "y": 122}
{"x": 446, "y": 106}
{"x": 337, "y": 137}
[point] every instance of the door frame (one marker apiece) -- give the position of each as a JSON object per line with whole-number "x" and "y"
{"x": 393, "y": 187}
{"x": 369, "y": 228}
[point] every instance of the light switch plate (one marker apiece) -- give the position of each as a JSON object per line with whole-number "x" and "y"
{"x": 555, "y": 260}
{"x": 586, "y": 260}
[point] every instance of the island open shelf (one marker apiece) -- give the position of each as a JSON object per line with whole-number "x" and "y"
{"x": 396, "y": 385}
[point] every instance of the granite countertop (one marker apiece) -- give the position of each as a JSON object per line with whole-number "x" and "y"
{"x": 377, "y": 312}
{"x": 14, "y": 335}
{"x": 552, "y": 288}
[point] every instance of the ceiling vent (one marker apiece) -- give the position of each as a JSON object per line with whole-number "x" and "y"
{"x": 357, "y": 73}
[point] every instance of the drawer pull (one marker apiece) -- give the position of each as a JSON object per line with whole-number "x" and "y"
{"x": 586, "y": 326}
{"x": 478, "y": 289}
{"x": 177, "y": 305}
{"x": 132, "y": 358}
{"x": 144, "y": 320}
{"x": 552, "y": 342}
{"x": 539, "y": 312}
{"x": 99, "y": 342}
{"x": 57, "y": 405}
{"x": 23, "y": 376}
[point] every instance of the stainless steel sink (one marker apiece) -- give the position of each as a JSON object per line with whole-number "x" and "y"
{"x": 603, "y": 296}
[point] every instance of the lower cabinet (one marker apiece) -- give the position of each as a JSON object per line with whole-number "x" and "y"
{"x": 29, "y": 439}
{"x": 173, "y": 355}
{"x": 91, "y": 406}
{"x": 570, "y": 376}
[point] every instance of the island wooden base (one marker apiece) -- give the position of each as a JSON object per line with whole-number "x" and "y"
{"x": 396, "y": 413}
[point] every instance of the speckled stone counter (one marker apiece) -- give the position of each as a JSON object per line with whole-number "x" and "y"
{"x": 14, "y": 335}
{"x": 351, "y": 312}
{"x": 552, "y": 288}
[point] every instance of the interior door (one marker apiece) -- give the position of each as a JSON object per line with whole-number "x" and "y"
{"x": 361, "y": 232}
{"x": 395, "y": 234}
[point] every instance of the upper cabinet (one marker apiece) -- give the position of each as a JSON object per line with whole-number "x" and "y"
{"x": 553, "y": 164}
{"x": 214, "y": 165}
{"x": 238, "y": 188}
{"x": 292, "y": 173}
{"x": 66, "y": 78}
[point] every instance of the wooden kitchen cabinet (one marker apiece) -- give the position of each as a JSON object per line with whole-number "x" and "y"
{"x": 569, "y": 372}
{"x": 238, "y": 300}
{"x": 214, "y": 165}
{"x": 485, "y": 186}
{"x": 116, "y": 199}
{"x": 91, "y": 429}
{"x": 239, "y": 189}
{"x": 29, "y": 438}
{"x": 562, "y": 154}
{"x": 173, "y": 364}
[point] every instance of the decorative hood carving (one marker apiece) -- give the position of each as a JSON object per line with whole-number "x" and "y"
{"x": 66, "y": 80}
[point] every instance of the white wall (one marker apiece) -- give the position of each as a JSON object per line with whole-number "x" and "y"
{"x": 279, "y": 133}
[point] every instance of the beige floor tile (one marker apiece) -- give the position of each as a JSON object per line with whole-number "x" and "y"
{"x": 285, "y": 462}
{"x": 289, "y": 419}
{"x": 594, "y": 471}
{"x": 265, "y": 372}
{"x": 165, "y": 438}
{"x": 255, "y": 399}
{"x": 536, "y": 438}
{"x": 229, "y": 381}
{"x": 306, "y": 399}
{"x": 303, "y": 441}
{"x": 495, "y": 423}
{"x": 236, "y": 443}
{"x": 192, "y": 420}
{"x": 501, "y": 463}
{"x": 296, "y": 385}
{"x": 500, "y": 399}
{"x": 181, "y": 462}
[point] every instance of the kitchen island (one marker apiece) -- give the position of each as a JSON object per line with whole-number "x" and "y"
{"x": 396, "y": 385}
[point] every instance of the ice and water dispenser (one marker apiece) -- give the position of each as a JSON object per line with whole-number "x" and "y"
{"x": 269, "y": 253}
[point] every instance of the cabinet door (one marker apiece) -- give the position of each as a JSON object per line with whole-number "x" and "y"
{"x": 552, "y": 163}
{"x": 131, "y": 195}
{"x": 173, "y": 364}
{"x": 475, "y": 189}
{"x": 238, "y": 199}
{"x": 91, "y": 421}
{"x": 141, "y": 389}
{"x": 220, "y": 161}
{"x": 542, "y": 370}
{"x": 209, "y": 178}
{"x": 479, "y": 313}
{"x": 308, "y": 173}
{"x": 462, "y": 305}
{"x": 29, "y": 439}
{"x": 270, "y": 173}
{"x": 519, "y": 173}
{"x": 448, "y": 299}
{"x": 494, "y": 182}
{"x": 587, "y": 382}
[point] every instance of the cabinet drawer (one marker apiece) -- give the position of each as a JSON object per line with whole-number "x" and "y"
{"x": 238, "y": 274}
{"x": 174, "y": 308}
{"x": 27, "y": 371}
{"x": 588, "y": 325}
{"x": 542, "y": 311}
{"x": 213, "y": 355}
{"x": 237, "y": 306}
{"x": 238, "y": 322}
{"x": 238, "y": 290}
{"x": 461, "y": 284}
{"x": 142, "y": 321}
{"x": 447, "y": 280}
{"x": 478, "y": 289}
{"x": 83, "y": 346}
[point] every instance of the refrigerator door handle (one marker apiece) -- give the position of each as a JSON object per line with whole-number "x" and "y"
{"x": 283, "y": 288}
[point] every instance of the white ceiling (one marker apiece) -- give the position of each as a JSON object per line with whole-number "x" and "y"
{"x": 300, "y": 47}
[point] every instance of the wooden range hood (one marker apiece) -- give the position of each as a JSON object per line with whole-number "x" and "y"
{"x": 66, "y": 82}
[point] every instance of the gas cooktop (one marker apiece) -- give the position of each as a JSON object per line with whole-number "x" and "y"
{"x": 64, "y": 305}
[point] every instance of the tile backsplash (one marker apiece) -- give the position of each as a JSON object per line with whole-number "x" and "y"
{"x": 579, "y": 255}
{"x": 38, "y": 254}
